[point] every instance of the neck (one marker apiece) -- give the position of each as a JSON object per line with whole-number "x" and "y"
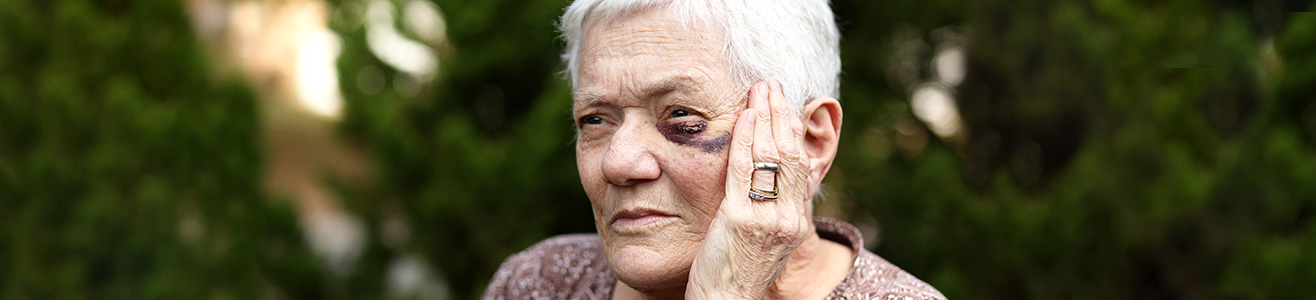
{"x": 815, "y": 268}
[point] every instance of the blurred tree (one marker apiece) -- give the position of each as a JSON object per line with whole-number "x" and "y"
{"x": 129, "y": 168}
{"x": 1110, "y": 149}
{"x": 478, "y": 163}
{"x": 1116, "y": 149}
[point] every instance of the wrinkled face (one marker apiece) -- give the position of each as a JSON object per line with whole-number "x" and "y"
{"x": 655, "y": 105}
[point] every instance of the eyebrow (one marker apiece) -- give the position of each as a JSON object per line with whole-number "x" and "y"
{"x": 666, "y": 85}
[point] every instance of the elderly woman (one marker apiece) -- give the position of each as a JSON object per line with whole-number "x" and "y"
{"x": 705, "y": 129}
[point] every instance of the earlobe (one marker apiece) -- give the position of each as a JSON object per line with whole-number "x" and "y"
{"x": 822, "y": 135}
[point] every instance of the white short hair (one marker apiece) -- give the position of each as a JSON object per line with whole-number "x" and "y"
{"x": 794, "y": 42}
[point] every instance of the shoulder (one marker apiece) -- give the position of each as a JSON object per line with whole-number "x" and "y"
{"x": 872, "y": 277}
{"x": 565, "y": 266}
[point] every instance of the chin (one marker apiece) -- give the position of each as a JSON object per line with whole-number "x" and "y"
{"x": 644, "y": 267}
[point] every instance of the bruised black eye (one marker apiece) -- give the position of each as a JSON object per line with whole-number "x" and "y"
{"x": 680, "y": 113}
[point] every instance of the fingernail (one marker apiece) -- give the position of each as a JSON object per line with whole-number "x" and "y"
{"x": 761, "y": 90}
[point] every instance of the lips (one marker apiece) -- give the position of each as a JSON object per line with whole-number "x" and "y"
{"x": 638, "y": 213}
{"x": 638, "y": 217}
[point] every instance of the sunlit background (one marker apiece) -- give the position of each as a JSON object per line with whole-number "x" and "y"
{"x": 344, "y": 149}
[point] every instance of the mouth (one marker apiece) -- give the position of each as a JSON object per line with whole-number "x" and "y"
{"x": 639, "y": 218}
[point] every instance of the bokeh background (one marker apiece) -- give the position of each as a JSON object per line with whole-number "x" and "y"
{"x": 397, "y": 149}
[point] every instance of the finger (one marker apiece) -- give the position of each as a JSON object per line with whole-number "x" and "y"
{"x": 765, "y": 149}
{"x": 790, "y": 182}
{"x": 740, "y": 163}
{"x": 787, "y": 129}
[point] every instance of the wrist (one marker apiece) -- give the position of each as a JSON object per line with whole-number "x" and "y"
{"x": 728, "y": 291}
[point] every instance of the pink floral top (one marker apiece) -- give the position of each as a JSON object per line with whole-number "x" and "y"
{"x": 573, "y": 267}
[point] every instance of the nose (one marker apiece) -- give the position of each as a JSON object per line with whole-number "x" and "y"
{"x": 629, "y": 160}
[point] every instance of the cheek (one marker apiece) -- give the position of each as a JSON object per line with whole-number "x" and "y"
{"x": 702, "y": 178}
{"x": 700, "y": 175}
{"x": 587, "y": 165}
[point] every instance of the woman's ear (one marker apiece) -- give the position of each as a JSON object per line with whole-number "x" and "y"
{"x": 822, "y": 134}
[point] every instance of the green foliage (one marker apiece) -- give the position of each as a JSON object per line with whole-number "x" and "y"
{"x": 128, "y": 170}
{"x": 479, "y": 164}
{"x": 1113, "y": 148}
{"x": 1175, "y": 164}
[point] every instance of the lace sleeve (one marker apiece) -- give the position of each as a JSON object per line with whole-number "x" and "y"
{"x": 498, "y": 287}
{"x": 563, "y": 267}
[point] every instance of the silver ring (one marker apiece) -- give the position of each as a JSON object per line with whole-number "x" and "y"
{"x": 760, "y": 194}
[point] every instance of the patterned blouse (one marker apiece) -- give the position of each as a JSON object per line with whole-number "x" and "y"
{"x": 573, "y": 267}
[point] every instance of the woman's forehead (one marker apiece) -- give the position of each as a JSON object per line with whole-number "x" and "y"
{"x": 663, "y": 84}
{"x": 642, "y": 57}
{"x": 648, "y": 39}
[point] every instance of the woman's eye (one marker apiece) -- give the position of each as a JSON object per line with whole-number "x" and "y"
{"x": 591, "y": 120}
{"x": 680, "y": 113}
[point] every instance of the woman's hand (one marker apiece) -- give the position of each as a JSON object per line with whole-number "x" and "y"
{"x": 749, "y": 241}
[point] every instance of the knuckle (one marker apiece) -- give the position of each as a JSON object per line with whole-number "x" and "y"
{"x": 789, "y": 150}
{"x": 783, "y": 109}
{"x": 744, "y": 137}
{"x": 741, "y": 172}
{"x": 753, "y": 227}
{"x": 786, "y": 235}
{"x": 740, "y": 162}
{"x": 744, "y": 142}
